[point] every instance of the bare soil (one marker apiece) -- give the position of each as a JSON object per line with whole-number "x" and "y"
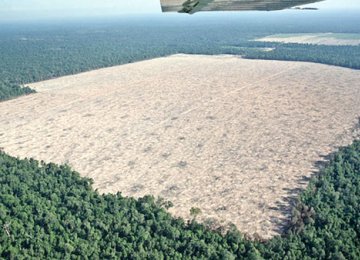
{"x": 236, "y": 138}
{"x": 318, "y": 39}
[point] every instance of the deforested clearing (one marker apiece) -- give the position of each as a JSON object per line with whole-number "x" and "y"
{"x": 336, "y": 39}
{"x": 235, "y": 138}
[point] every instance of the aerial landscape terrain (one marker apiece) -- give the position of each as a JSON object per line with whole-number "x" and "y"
{"x": 199, "y": 131}
{"x": 210, "y": 136}
{"x": 315, "y": 38}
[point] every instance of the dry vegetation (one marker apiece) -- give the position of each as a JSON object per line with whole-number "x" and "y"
{"x": 315, "y": 38}
{"x": 236, "y": 138}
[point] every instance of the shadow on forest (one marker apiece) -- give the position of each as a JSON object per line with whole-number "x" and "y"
{"x": 289, "y": 202}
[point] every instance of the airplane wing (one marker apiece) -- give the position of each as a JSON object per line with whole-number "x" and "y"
{"x": 193, "y": 6}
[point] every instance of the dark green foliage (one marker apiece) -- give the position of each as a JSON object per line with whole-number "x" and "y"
{"x": 48, "y": 211}
{"x": 326, "y": 221}
{"x": 40, "y": 51}
{"x": 8, "y": 90}
{"x": 344, "y": 56}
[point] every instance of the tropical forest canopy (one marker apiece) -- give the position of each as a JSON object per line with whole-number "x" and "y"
{"x": 48, "y": 211}
{"x": 42, "y": 50}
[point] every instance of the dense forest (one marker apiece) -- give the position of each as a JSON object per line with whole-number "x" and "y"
{"x": 43, "y": 50}
{"x": 49, "y": 211}
{"x": 331, "y": 55}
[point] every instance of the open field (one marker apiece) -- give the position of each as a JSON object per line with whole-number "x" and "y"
{"x": 236, "y": 138}
{"x": 315, "y": 38}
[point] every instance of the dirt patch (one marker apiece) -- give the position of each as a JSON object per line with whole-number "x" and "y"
{"x": 315, "y": 38}
{"x": 236, "y": 138}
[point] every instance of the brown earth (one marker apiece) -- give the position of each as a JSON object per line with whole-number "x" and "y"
{"x": 318, "y": 39}
{"x": 236, "y": 138}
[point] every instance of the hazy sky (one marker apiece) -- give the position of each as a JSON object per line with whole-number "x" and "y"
{"x": 17, "y": 9}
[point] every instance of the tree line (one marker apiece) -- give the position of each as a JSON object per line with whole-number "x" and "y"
{"x": 33, "y": 53}
{"x": 49, "y": 211}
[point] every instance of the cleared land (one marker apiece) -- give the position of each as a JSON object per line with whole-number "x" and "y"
{"x": 236, "y": 138}
{"x": 315, "y": 38}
